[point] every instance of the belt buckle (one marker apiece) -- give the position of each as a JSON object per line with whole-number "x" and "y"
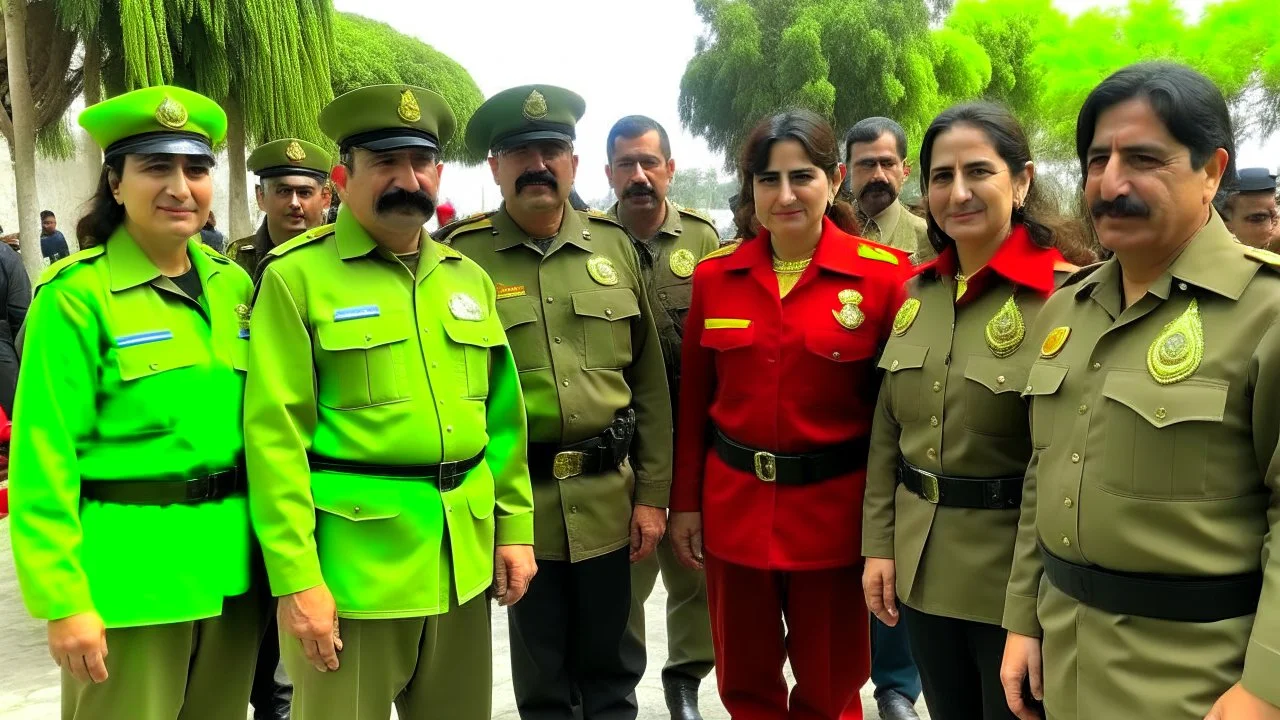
{"x": 929, "y": 486}
{"x": 766, "y": 466}
{"x": 447, "y": 475}
{"x": 568, "y": 464}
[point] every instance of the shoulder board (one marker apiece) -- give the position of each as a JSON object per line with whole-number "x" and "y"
{"x": 881, "y": 253}
{"x": 722, "y": 251}
{"x": 1266, "y": 257}
{"x": 55, "y": 269}
{"x": 594, "y": 214}
{"x": 475, "y": 221}
{"x": 1078, "y": 275}
{"x": 239, "y": 246}
{"x": 447, "y": 252}
{"x": 697, "y": 216}
{"x": 217, "y": 256}
{"x": 305, "y": 238}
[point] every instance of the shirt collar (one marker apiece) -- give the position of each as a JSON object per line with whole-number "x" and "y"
{"x": 573, "y": 230}
{"x": 1018, "y": 260}
{"x": 887, "y": 220}
{"x": 670, "y": 226}
{"x": 836, "y": 252}
{"x": 130, "y": 266}
{"x": 355, "y": 242}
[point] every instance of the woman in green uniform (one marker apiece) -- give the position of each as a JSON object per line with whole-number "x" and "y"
{"x": 130, "y": 527}
{"x": 950, "y": 440}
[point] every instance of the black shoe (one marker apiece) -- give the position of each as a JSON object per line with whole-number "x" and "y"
{"x": 682, "y": 696}
{"x": 278, "y": 709}
{"x": 894, "y": 705}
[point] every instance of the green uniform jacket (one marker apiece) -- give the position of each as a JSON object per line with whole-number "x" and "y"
{"x": 898, "y": 227}
{"x": 354, "y": 359}
{"x": 1136, "y": 476}
{"x": 125, "y": 378}
{"x": 585, "y": 351}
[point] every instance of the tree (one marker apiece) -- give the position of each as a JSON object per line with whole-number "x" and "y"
{"x": 55, "y": 82}
{"x": 24, "y": 133}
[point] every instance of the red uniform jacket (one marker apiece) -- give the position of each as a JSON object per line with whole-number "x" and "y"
{"x": 783, "y": 376}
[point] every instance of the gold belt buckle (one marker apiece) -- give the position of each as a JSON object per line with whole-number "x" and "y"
{"x": 568, "y": 464}
{"x": 766, "y": 467}
{"x": 929, "y": 486}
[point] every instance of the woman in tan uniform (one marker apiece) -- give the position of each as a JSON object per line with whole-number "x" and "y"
{"x": 950, "y": 440}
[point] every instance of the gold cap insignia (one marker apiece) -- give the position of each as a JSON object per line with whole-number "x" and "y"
{"x": 294, "y": 152}
{"x": 1054, "y": 341}
{"x": 1005, "y": 330}
{"x": 906, "y": 316}
{"x": 850, "y": 316}
{"x": 171, "y": 114}
{"x": 1176, "y": 352}
{"x": 465, "y": 307}
{"x": 408, "y": 109}
{"x": 683, "y": 263}
{"x": 535, "y": 106}
{"x": 601, "y": 270}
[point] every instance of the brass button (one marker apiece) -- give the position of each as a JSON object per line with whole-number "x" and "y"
{"x": 1083, "y": 409}
{"x": 573, "y": 417}
{"x": 154, "y": 366}
{"x": 565, "y": 383}
{"x": 937, "y": 387}
{"x": 1182, "y": 286}
{"x": 1027, "y": 390}
{"x": 558, "y": 341}
{"x": 934, "y": 421}
{"x": 448, "y": 428}
{"x": 550, "y": 299}
{"x": 1097, "y": 366}
{"x": 485, "y": 338}
{"x": 1161, "y": 414}
{"x": 1067, "y": 502}
{"x": 932, "y": 453}
{"x": 355, "y": 510}
{"x": 573, "y": 508}
{"x": 893, "y": 365}
{"x": 1075, "y": 457}
{"x": 1000, "y": 380}
{"x": 835, "y": 355}
{"x": 368, "y": 338}
{"x": 1066, "y": 541}
{"x": 608, "y": 312}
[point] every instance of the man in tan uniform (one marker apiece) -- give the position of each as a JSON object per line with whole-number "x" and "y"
{"x": 293, "y": 193}
{"x": 1145, "y": 581}
{"x": 669, "y": 241}
{"x": 875, "y": 150}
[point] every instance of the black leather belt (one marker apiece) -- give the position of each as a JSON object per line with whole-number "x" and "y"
{"x": 215, "y": 486}
{"x": 446, "y": 475}
{"x": 801, "y": 469}
{"x": 1162, "y": 597}
{"x": 978, "y": 493}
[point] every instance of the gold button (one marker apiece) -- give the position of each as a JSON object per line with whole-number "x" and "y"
{"x": 1075, "y": 457}
{"x": 937, "y": 387}
{"x": 573, "y": 508}
{"x": 355, "y": 510}
{"x": 1000, "y": 380}
{"x": 1182, "y": 286}
{"x": 485, "y": 338}
{"x": 1027, "y": 390}
{"x": 558, "y": 341}
{"x": 835, "y": 356}
{"x": 1067, "y": 502}
{"x": 565, "y": 383}
{"x": 1083, "y": 409}
{"x": 154, "y": 366}
{"x": 893, "y": 365}
{"x": 932, "y": 453}
{"x": 1097, "y": 366}
{"x": 1066, "y": 541}
{"x": 550, "y": 299}
{"x": 368, "y": 338}
{"x": 448, "y": 428}
{"x": 934, "y": 421}
{"x": 1161, "y": 414}
{"x": 608, "y": 312}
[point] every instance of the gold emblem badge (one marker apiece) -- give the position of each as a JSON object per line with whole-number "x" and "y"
{"x": 906, "y": 316}
{"x": 1005, "y": 330}
{"x": 535, "y": 106}
{"x": 1054, "y": 341}
{"x": 682, "y": 263}
{"x": 408, "y": 109}
{"x": 601, "y": 270}
{"x": 171, "y": 114}
{"x": 850, "y": 316}
{"x": 465, "y": 307}
{"x": 242, "y": 312}
{"x": 1176, "y": 352}
{"x": 294, "y": 152}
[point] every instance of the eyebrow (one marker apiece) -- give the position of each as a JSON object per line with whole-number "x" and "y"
{"x": 1137, "y": 149}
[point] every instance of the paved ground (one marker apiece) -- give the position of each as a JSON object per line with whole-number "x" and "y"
{"x": 29, "y": 680}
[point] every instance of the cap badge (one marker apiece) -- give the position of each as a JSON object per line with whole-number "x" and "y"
{"x": 409, "y": 110}
{"x": 171, "y": 114}
{"x": 535, "y": 106}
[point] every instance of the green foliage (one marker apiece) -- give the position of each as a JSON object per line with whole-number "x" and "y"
{"x": 701, "y": 189}
{"x": 374, "y": 53}
{"x": 55, "y": 142}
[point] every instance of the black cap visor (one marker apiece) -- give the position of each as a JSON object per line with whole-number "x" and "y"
{"x": 391, "y": 139}
{"x": 563, "y": 133}
{"x": 157, "y": 143}
{"x": 285, "y": 170}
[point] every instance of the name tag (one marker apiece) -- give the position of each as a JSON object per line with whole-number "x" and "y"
{"x": 355, "y": 313}
{"x": 125, "y": 341}
{"x": 724, "y": 323}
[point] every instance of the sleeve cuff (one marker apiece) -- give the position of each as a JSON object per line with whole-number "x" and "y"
{"x": 1262, "y": 672}
{"x": 515, "y": 529}
{"x": 68, "y": 606}
{"x": 288, "y": 576}
{"x": 1020, "y": 615}
{"x": 653, "y": 495}
{"x": 878, "y": 547}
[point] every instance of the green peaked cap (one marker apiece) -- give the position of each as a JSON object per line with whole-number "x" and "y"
{"x": 523, "y": 114}
{"x": 158, "y": 119}
{"x": 290, "y": 156}
{"x": 387, "y": 117}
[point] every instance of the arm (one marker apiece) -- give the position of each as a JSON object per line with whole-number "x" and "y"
{"x": 698, "y": 381}
{"x": 506, "y": 452}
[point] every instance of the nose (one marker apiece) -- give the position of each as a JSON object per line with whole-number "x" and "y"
{"x": 637, "y": 175}
{"x": 1114, "y": 183}
{"x": 405, "y": 178}
{"x": 786, "y": 194}
{"x": 960, "y": 191}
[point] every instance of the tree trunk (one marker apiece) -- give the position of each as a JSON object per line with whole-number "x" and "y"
{"x": 90, "y": 152}
{"x": 24, "y": 136}
{"x": 239, "y": 225}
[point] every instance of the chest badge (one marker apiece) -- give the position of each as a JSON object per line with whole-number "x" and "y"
{"x": 1006, "y": 330}
{"x": 682, "y": 263}
{"x": 850, "y": 316}
{"x": 242, "y": 316}
{"x": 906, "y": 316}
{"x": 465, "y": 307}
{"x": 602, "y": 270}
{"x": 1176, "y": 352}
{"x": 508, "y": 291}
{"x": 1054, "y": 341}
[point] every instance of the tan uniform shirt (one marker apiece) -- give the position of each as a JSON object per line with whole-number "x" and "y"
{"x": 899, "y": 228}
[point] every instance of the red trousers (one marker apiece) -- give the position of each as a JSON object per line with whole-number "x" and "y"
{"x": 826, "y": 637}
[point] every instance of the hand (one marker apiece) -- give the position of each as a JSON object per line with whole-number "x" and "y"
{"x": 686, "y": 538}
{"x": 879, "y": 585}
{"x": 1240, "y": 704}
{"x": 513, "y": 569}
{"x": 1021, "y": 666}
{"x": 647, "y": 526}
{"x": 312, "y": 617}
{"x": 78, "y": 645}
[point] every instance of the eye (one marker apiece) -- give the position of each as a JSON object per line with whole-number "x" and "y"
{"x": 1145, "y": 162}
{"x": 1098, "y": 163}
{"x": 942, "y": 176}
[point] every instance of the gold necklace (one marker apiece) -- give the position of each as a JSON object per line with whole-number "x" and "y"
{"x": 790, "y": 267}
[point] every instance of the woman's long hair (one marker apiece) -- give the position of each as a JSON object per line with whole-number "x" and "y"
{"x": 104, "y": 214}
{"x": 819, "y": 142}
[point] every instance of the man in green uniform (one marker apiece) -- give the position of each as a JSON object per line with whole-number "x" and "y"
{"x": 572, "y": 298}
{"x": 875, "y": 150}
{"x": 1146, "y": 561}
{"x": 669, "y": 241}
{"x": 1249, "y": 210}
{"x": 293, "y": 193}
{"x": 387, "y": 451}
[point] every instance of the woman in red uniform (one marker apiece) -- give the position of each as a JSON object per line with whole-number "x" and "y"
{"x": 775, "y": 412}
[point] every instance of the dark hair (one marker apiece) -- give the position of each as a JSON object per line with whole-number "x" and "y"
{"x": 47, "y": 214}
{"x": 819, "y": 142}
{"x": 210, "y": 223}
{"x": 1188, "y": 103}
{"x": 105, "y": 214}
{"x": 633, "y": 126}
{"x": 869, "y": 130}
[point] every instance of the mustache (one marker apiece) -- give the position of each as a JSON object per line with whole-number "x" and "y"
{"x": 1122, "y": 206}
{"x": 537, "y": 177}
{"x": 639, "y": 190}
{"x": 401, "y": 199}
{"x": 878, "y": 186}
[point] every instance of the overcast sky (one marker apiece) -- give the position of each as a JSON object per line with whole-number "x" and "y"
{"x": 623, "y": 58}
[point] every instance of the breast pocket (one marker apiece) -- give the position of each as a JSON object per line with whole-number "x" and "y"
{"x": 1043, "y": 383}
{"x": 361, "y": 361}
{"x": 1158, "y": 436}
{"x": 149, "y": 371}
{"x": 992, "y": 397}
{"x": 519, "y": 317}
{"x": 474, "y": 339}
{"x": 606, "y": 317}
{"x": 905, "y": 365}
{"x": 675, "y": 301}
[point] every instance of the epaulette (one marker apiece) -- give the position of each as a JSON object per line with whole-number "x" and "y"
{"x": 1079, "y": 275}
{"x": 593, "y": 214}
{"x": 217, "y": 256}
{"x": 722, "y": 251}
{"x": 1266, "y": 257}
{"x": 305, "y": 238}
{"x": 881, "y": 253}
{"x": 447, "y": 252}
{"x": 480, "y": 220}
{"x": 239, "y": 246}
{"x": 697, "y": 216}
{"x": 55, "y": 269}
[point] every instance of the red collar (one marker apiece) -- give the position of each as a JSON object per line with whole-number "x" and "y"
{"x": 837, "y": 251}
{"x": 1018, "y": 260}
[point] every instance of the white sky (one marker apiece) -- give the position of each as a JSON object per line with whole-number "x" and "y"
{"x": 622, "y": 57}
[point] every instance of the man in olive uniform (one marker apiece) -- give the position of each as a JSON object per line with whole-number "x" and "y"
{"x": 385, "y": 436}
{"x": 669, "y": 241}
{"x": 572, "y": 298}
{"x": 875, "y": 150}
{"x": 293, "y": 193}
{"x": 1250, "y": 208}
{"x": 1146, "y": 575}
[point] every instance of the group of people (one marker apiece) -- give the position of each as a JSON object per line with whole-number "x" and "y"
{"x": 1056, "y": 476}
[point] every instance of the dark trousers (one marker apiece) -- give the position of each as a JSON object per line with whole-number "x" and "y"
{"x": 566, "y": 641}
{"x": 959, "y": 662}
{"x": 272, "y": 692}
{"x": 892, "y": 668}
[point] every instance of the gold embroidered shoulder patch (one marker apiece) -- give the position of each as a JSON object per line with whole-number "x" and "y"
{"x": 1005, "y": 330}
{"x": 906, "y": 316}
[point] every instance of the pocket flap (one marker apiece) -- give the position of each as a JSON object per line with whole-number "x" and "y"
{"x": 1044, "y": 379}
{"x": 138, "y": 361}
{"x": 901, "y": 356}
{"x": 485, "y": 333}
{"x": 996, "y": 375}
{"x": 516, "y": 311}
{"x": 839, "y": 346}
{"x": 676, "y": 297}
{"x": 363, "y": 333}
{"x": 728, "y": 338}
{"x": 613, "y": 304}
{"x": 1192, "y": 400}
{"x": 480, "y": 494}
{"x": 355, "y": 498}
